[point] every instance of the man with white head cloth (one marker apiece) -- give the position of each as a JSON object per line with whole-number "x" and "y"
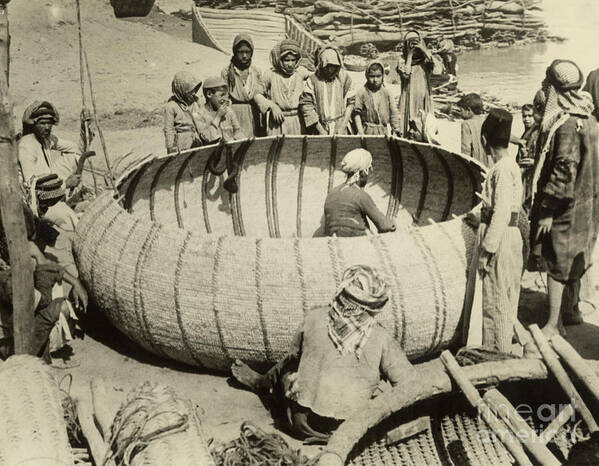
{"x": 348, "y": 207}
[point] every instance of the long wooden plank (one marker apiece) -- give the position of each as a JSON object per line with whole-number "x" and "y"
{"x": 11, "y": 207}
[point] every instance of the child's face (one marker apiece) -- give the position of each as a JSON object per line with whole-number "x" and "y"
{"x": 243, "y": 54}
{"x": 330, "y": 71}
{"x": 217, "y": 97}
{"x": 527, "y": 118}
{"x": 538, "y": 116}
{"x": 289, "y": 61}
{"x": 466, "y": 113}
{"x": 375, "y": 77}
{"x": 412, "y": 43}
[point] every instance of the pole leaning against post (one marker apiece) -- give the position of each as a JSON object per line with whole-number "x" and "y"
{"x": 473, "y": 397}
{"x": 11, "y": 207}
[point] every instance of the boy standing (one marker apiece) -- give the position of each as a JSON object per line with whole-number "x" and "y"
{"x": 499, "y": 239}
{"x": 472, "y": 111}
{"x": 375, "y": 111}
{"x": 216, "y": 119}
{"x": 526, "y": 151}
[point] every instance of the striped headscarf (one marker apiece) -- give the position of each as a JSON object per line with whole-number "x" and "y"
{"x": 360, "y": 296}
{"x": 280, "y": 51}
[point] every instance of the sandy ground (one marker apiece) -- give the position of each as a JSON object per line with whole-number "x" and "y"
{"x": 133, "y": 62}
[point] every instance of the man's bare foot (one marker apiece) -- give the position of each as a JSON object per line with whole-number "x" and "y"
{"x": 551, "y": 331}
{"x": 246, "y": 376}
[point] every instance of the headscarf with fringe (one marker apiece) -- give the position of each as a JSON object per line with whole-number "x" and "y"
{"x": 280, "y": 51}
{"x": 239, "y": 40}
{"x": 563, "y": 98}
{"x": 561, "y": 87}
{"x": 360, "y": 296}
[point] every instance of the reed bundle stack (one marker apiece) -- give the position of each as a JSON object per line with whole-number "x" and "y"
{"x": 383, "y": 22}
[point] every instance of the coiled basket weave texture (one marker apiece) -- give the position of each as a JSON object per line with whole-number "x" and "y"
{"x": 202, "y": 275}
{"x": 32, "y": 428}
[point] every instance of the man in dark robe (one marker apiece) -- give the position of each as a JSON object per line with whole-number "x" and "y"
{"x": 565, "y": 211}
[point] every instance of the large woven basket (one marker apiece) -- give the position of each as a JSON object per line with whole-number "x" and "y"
{"x": 456, "y": 434}
{"x": 195, "y": 273}
{"x": 32, "y": 428}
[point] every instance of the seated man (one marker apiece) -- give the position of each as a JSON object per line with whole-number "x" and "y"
{"x": 42, "y": 153}
{"x": 336, "y": 360}
{"x": 347, "y": 207}
{"x": 51, "y": 315}
{"x": 216, "y": 118}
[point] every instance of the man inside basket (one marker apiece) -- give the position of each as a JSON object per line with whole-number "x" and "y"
{"x": 336, "y": 361}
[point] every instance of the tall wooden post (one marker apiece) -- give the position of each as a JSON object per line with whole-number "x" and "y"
{"x": 11, "y": 206}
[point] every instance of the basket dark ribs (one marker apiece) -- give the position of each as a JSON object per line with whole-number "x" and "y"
{"x": 196, "y": 273}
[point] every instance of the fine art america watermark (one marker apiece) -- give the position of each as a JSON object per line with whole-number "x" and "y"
{"x": 545, "y": 413}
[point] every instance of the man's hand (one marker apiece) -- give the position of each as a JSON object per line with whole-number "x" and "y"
{"x": 221, "y": 112}
{"x": 277, "y": 114}
{"x": 484, "y": 260}
{"x": 545, "y": 225}
{"x": 341, "y": 128}
{"x": 78, "y": 296}
{"x": 73, "y": 181}
{"x": 292, "y": 391}
{"x": 472, "y": 219}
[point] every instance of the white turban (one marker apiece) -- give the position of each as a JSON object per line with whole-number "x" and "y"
{"x": 355, "y": 161}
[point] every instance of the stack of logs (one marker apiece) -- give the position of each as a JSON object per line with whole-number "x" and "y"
{"x": 383, "y": 22}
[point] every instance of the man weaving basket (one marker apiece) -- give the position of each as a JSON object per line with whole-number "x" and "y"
{"x": 336, "y": 361}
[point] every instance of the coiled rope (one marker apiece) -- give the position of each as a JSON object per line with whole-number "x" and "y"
{"x": 254, "y": 447}
{"x": 151, "y": 412}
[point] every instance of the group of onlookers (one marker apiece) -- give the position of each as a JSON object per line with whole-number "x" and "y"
{"x": 245, "y": 101}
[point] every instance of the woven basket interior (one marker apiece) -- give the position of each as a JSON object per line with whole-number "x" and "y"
{"x": 283, "y": 183}
{"x": 458, "y": 436}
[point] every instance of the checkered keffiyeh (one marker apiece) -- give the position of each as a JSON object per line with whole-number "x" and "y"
{"x": 562, "y": 88}
{"x": 361, "y": 295}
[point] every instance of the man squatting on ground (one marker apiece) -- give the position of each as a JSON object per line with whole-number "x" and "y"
{"x": 336, "y": 359}
{"x": 52, "y": 316}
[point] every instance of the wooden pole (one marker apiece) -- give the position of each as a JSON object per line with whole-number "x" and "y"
{"x": 508, "y": 414}
{"x": 471, "y": 393}
{"x": 561, "y": 375}
{"x": 577, "y": 363}
{"x": 11, "y": 207}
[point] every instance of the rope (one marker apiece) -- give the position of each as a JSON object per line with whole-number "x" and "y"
{"x": 254, "y": 447}
{"x": 100, "y": 133}
{"x": 150, "y": 405}
{"x": 85, "y": 133}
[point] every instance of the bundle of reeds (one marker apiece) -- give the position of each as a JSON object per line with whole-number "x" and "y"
{"x": 383, "y": 22}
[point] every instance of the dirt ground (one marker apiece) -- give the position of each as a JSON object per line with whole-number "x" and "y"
{"x": 132, "y": 62}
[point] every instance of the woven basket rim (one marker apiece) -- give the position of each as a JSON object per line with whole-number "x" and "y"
{"x": 151, "y": 158}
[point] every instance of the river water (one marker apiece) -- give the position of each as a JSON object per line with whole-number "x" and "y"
{"x": 514, "y": 74}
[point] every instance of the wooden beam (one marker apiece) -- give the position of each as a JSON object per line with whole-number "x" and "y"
{"x": 11, "y": 207}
